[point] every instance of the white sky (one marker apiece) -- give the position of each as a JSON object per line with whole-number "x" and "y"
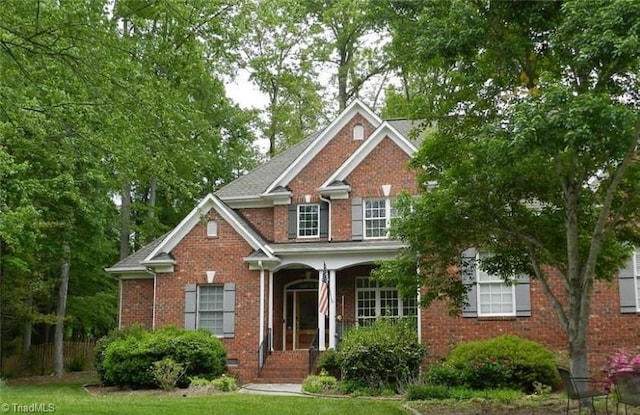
{"x": 244, "y": 93}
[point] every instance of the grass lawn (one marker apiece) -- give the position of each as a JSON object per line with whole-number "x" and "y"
{"x": 68, "y": 397}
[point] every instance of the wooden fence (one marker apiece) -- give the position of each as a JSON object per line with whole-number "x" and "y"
{"x": 39, "y": 360}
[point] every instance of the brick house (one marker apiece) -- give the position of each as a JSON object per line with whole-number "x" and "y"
{"x": 247, "y": 263}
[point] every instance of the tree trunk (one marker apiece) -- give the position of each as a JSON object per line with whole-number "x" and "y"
{"x": 125, "y": 220}
{"x": 153, "y": 191}
{"x": 58, "y": 355}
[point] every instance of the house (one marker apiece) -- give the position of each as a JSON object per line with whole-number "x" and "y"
{"x": 251, "y": 261}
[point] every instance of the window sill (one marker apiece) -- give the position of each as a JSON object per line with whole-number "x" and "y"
{"x": 497, "y": 318}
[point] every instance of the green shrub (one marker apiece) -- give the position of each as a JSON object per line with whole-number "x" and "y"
{"x": 321, "y": 383}
{"x": 421, "y": 392}
{"x": 329, "y": 361}
{"x": 101, "y": 347}
{"x": 504, "y": 361}
{"x": 444, "y": 374}
{"x": 76, "y": 364}
{"x": 166, "y": 373}
{"x": 383, "y": 355}
{"x": 128, "y": 361}
{"x": 225, "y": 383}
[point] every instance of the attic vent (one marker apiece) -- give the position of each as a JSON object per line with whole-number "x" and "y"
{"x": 212, "y": 229}
{"x": 358, "y": 132}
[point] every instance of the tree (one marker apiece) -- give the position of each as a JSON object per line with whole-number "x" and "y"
{"x": 352, "y": 44}
{"x": 536, "y": 153}
{"x": 275, "y": 49}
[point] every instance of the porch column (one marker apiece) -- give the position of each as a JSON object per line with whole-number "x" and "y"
{"x": 321, "y": 317}
{"x": 332, "y": 309}
{"x": 271, "y": 309}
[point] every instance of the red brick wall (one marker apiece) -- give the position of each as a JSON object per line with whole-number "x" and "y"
{"x": 137, "y": 303}
{"x": 261, "y": 219}
{"x": 318, "y": 171}
{"x": 386, "y": 164}
{"x": 608, "y": 328}
{"x": 194, "y": 255}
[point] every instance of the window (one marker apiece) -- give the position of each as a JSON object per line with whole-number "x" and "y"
{"x": 358, "y": 132}
{"x": 377, "y": 218}
{"x": 308, "y": 221}
{"x": 210, "y": 308}
{"x": 372, "y": 301}
{"x": 212, "y": 229}
{"x": 495, "y": 297}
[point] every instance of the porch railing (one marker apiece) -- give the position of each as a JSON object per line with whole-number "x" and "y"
{"x": 314, "y": 351}
{"x": 264, "y": 351}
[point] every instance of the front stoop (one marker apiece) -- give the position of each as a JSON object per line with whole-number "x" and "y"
{"x": 285, "y": 367}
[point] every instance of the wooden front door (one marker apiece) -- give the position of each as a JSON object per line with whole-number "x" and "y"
{"x": 306, "y": 318}
{"x": 301, "y": 318}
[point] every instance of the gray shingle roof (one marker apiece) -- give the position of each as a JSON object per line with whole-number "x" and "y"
{"x": 133, "y": 260}
{"x": 405, "y": 127}
{"x": 258, "y": 180}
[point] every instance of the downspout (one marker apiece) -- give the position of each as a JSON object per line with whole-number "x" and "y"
{"x": 155, "y": 298}
{"x": 329, "y": 224}
{"x": 120, "y": 303}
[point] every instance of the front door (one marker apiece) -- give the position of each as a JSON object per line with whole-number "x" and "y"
{"x": 306, "y": 318}
{"x": 301, "y": 317}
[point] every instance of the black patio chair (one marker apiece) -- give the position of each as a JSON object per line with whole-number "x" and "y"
{"x": 627, "y": 387}
{"x": 581, "y": 389}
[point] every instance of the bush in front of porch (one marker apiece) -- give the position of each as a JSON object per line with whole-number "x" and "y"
{"x": 383, "y": 356}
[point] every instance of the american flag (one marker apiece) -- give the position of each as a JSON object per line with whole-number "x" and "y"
{"x": 323, "y": 299}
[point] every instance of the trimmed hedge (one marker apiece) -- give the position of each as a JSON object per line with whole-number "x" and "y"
{"x": 384, "y": 355}
{"x": 503, "y": 361}
{"x": 127, "y": 360}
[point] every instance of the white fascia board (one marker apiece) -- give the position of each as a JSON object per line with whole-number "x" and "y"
{"x": 126, "y": 270}
{"x": 185, "y": 226}
{"x": 358, "y": 156}
{"x": 318, "y": 144}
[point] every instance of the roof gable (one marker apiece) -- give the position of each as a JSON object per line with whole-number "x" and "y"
{"x": 386, "y": 129}
{"x": 191, "y": 220}
{"x": 315, "y": 146}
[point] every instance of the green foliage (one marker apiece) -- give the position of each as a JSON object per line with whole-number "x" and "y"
{"x": 385, "y": 354}
{"x": 76, "y": 364}
{"x": 167, "y": 372}
{"x": 428, "y": 391}
{"x": 444, "y": 374}
{"x": 440, "y": 392}
{"x": 504, "y": 361}
{"x": 101, "y": 346}
{"x": 321, "y": 383}
{"x": 329, "y": 361}
{"x": 128, "y": 361}
{"x": 225, "y": 383}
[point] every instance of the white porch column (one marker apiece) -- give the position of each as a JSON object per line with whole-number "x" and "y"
{"x": 332, "y": 309}
{"x": 321, "y": 317}
{"x": 261, "y": 318}
{"x": 271, "y": 308}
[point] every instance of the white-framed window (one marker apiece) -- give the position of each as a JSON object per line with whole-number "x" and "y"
{"x": 495, "y": 297}
{"x": 309, "y": 221}
{"x": 373, "y": 301}
{"x": 212, "y": 229}
{"x": 377, "y": 218}
{"x": 210, "y": 308}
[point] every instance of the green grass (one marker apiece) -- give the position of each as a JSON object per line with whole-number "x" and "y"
{"x": 70, "y": 398}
